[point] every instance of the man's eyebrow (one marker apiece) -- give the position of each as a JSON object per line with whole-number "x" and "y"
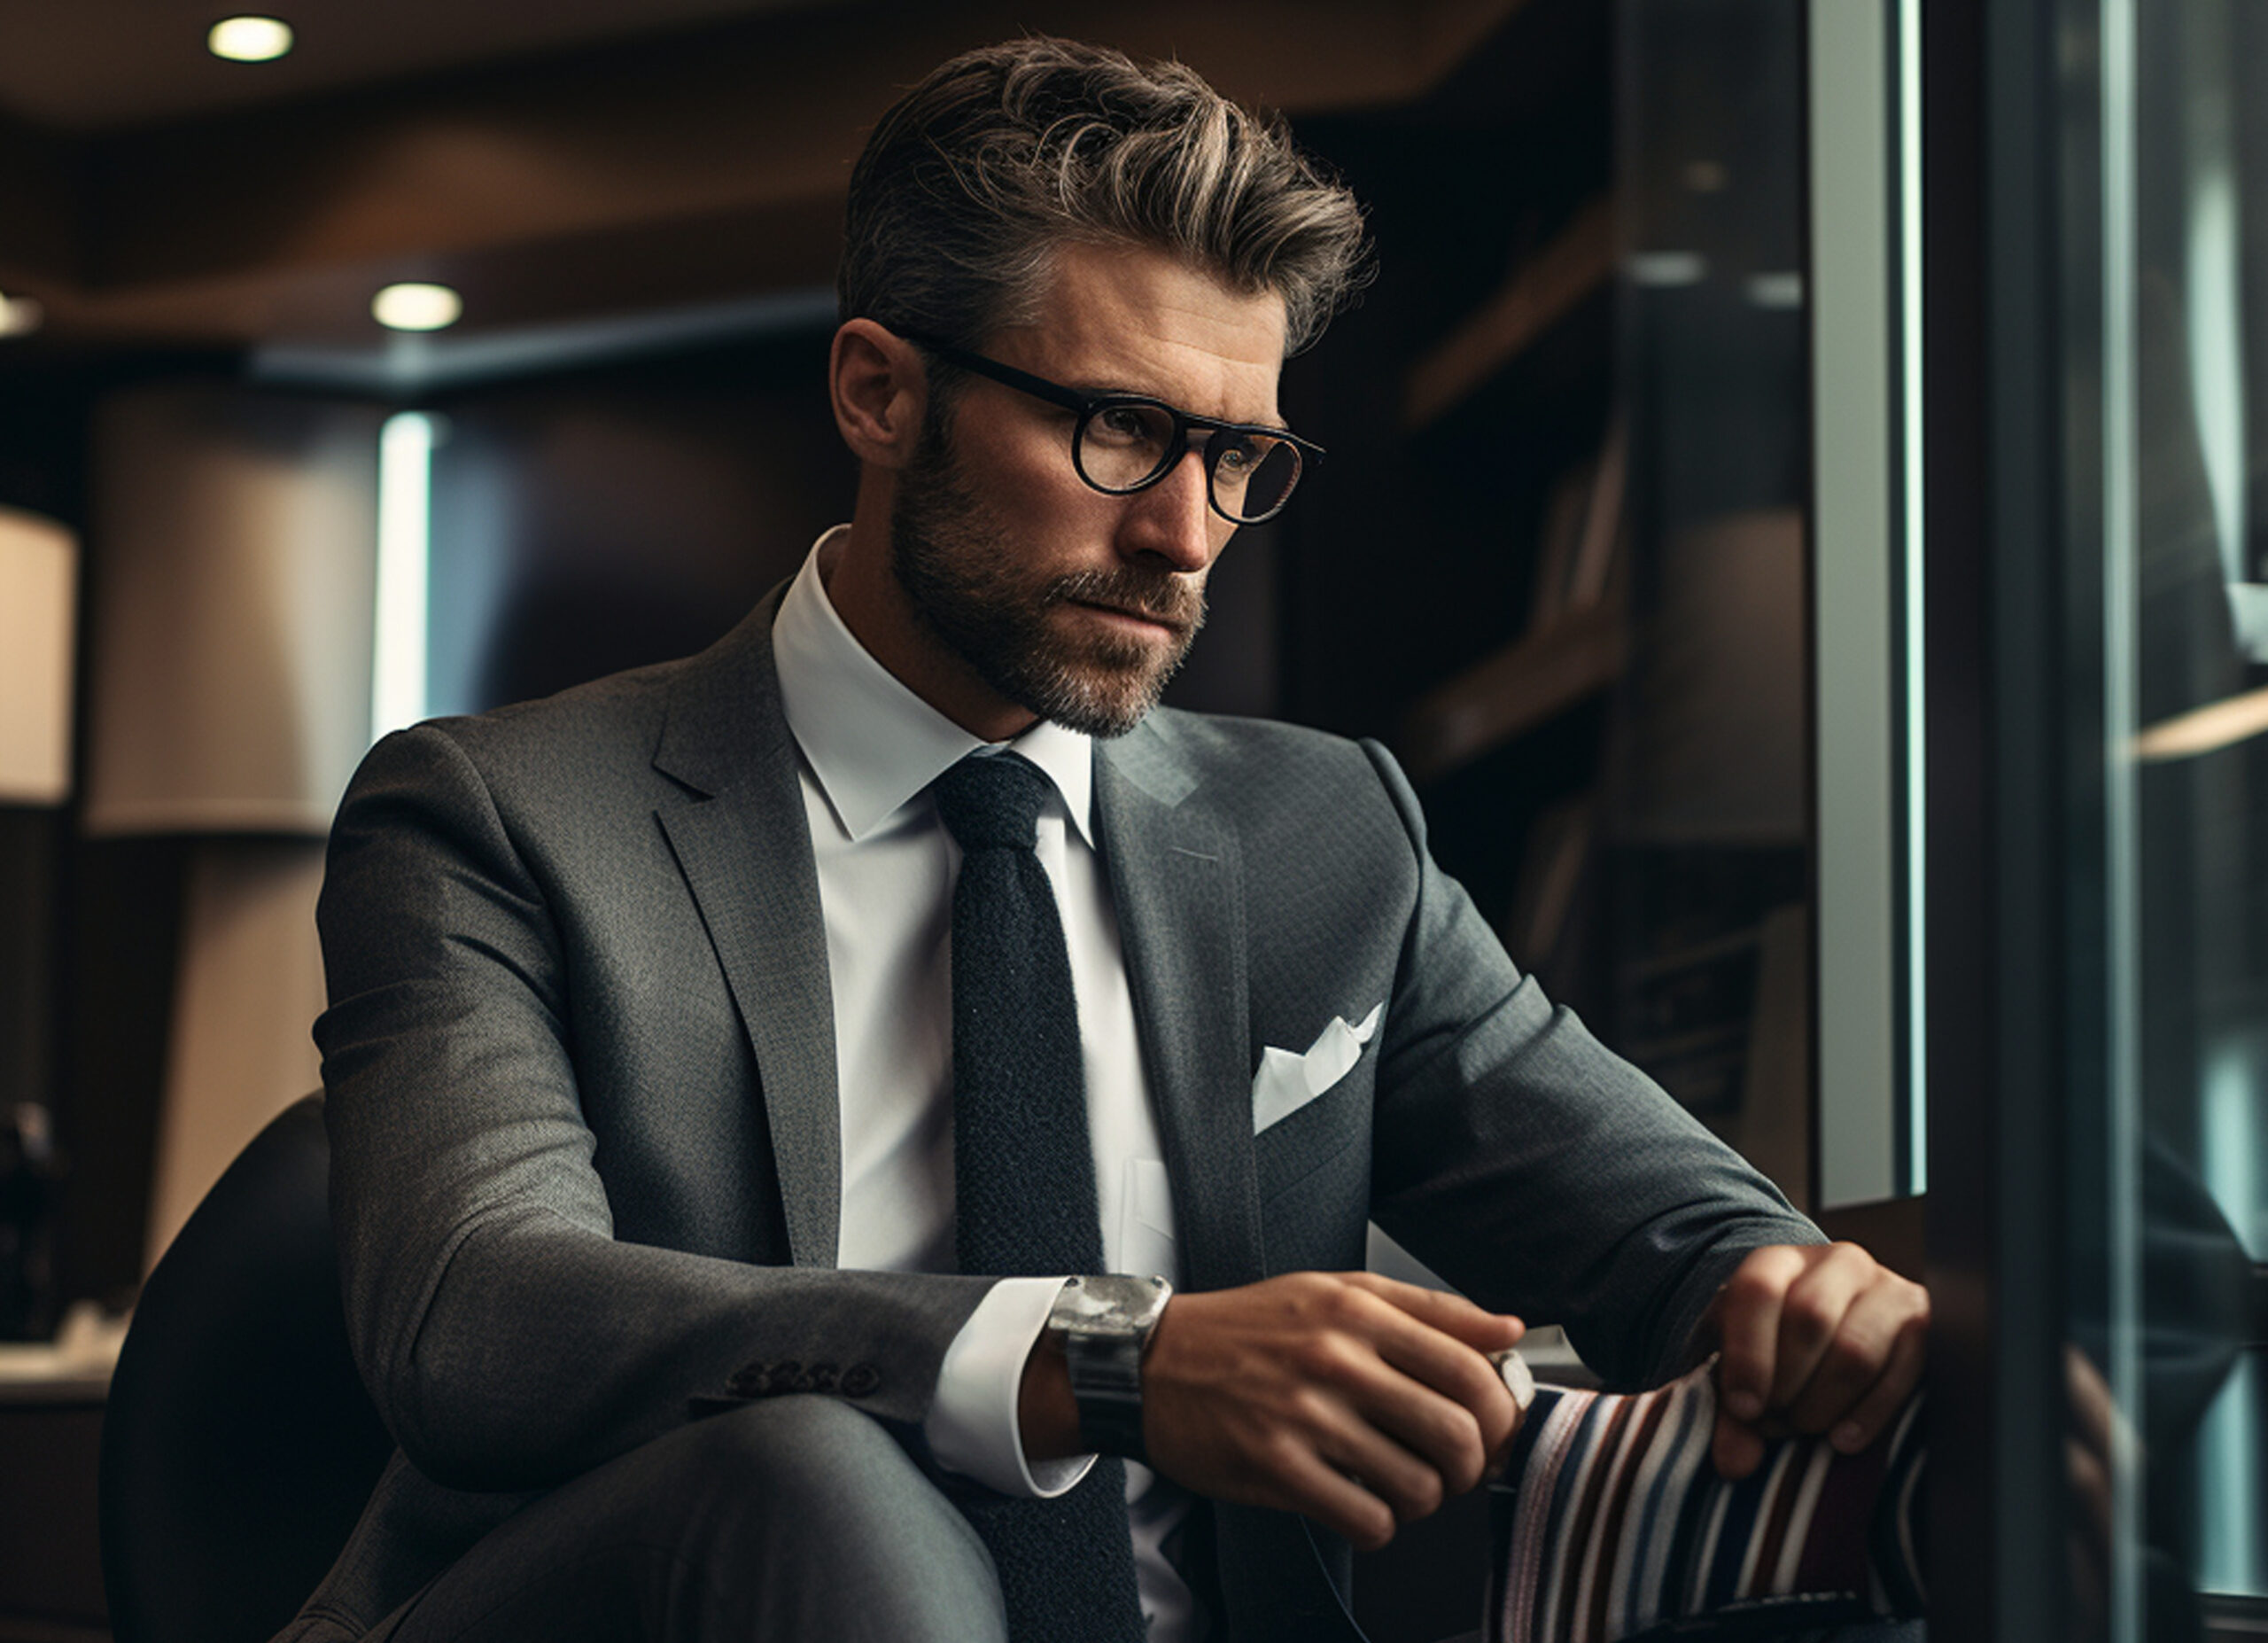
{"x": 1092, "y": 390}
{"x": 1097, "y": 390}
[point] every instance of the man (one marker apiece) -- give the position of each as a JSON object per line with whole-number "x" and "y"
{"x": 733, "y": 1065}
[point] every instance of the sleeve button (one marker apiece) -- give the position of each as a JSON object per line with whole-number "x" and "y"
{"x": 860, "y": 1380}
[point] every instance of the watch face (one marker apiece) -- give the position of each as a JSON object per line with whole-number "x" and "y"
{"x": 1111, "y": 1303}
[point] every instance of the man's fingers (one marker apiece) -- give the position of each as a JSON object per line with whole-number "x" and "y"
{"x": 1815, "y": 1314}
{"x": 1865, "y": 1420}
{"x": 1866, "y": 1369}
{"x": 1429, "y": 1394}
{"x": 2093, "y": 1408}
{"x": 1466, "y": 1390}
{"x": 1311, "y": 1486}
{"x": 1736, "y": 1448}
{"x": 2088, "y": 1476}
{"x": 1410, "y": 1486}
{"x": 1427, "y": 1387}
{"x": 1748, "y": 1328}
{"x": 1814, "y": 1339}
{"x": 1454, "y": 1440}
{"x": 1478, "y": 1327}
{"x": 1248, "y": 1393}
{"x": 1361, "y": 1469}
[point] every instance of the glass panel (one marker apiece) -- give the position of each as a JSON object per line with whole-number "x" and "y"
{"x": 1866, "y": 597}
{"x": 1705, "y": 801}
{"x": 2169, "y": 1177}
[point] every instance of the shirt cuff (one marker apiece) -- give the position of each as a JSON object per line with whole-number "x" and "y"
{"x": 974, "y": 1428}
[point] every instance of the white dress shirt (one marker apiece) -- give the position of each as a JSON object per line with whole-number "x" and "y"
{"x": 871, "y": 748}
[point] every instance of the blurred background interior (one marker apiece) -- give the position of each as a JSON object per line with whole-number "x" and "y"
{"x": 1793, "y": 507}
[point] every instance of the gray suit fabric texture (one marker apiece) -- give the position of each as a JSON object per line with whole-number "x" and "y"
{"x": 581, "y": 1068}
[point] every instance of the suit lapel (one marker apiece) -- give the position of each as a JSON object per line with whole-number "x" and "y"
{"x": 1176, "y": 880}
{"x": 743, "y": 843}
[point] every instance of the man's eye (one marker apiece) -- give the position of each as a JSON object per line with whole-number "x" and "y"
{"x": 1124, "y": 424}
{"x": 1237, "y": 459}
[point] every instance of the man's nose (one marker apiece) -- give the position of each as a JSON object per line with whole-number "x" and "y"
{"x": 1172, "y": 520}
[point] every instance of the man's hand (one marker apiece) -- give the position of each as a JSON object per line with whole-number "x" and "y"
{"x": 1814, "y": 1338}
{"x": 2095, "y": 1432}
{"x": 1359, "y": 1401}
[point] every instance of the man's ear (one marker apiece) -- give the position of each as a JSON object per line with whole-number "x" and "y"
{"x": 880, "y": 384}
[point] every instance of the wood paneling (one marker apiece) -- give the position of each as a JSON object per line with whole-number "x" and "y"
{"x": 672, "y": 156}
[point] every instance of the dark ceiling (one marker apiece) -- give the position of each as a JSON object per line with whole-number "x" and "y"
{"x": 87, "y": 66}
{"x": 557, "y": 163}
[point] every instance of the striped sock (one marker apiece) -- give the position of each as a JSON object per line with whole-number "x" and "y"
{"x": 1611, "y": 1521}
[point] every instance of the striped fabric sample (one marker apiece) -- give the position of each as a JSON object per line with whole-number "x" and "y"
{"x": 1611, "y": 1521}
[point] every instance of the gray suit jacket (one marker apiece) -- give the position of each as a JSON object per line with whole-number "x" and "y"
{"x": 581, "y": 1078}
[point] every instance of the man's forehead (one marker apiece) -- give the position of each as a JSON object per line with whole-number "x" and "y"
{"x": 1145, "y": 321}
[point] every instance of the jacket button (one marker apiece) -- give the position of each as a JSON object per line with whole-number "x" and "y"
{"x": 860, "y": 1380}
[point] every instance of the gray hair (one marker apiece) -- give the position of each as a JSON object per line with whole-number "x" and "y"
{"x": 970, "y": 182}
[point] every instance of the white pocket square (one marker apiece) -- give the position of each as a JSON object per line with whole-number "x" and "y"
{"x": 1288, "y": 1082}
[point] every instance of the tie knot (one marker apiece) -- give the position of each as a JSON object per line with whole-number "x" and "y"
{"x": 992, "y": 801}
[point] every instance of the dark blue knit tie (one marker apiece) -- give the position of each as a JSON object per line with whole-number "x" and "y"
{"x": 1024, "y": 1176}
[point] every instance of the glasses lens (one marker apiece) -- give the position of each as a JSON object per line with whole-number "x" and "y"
{"x": 1120, "y": 446}
{"x": 1253, "y": 474}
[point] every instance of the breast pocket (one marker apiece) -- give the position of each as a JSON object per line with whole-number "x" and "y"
{"x": 1314, "y": 1170}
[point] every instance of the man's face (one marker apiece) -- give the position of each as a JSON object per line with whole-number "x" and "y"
{"x": 1066, "y": 603}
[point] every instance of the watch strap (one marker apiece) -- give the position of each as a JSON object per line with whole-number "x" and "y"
{"x": 1104, "y": 1324}
{"x": 1106, "y": 1386}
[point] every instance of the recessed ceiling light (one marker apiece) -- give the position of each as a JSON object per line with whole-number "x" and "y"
{"x": 1782, "y": 288}
{"x": 20, "y": 316}
{"x": 415, "y": 307}
{"x": 249, "y": 39}
{"x": 1664, "y": 270}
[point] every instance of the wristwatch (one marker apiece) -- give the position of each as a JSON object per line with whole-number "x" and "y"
{"x": 1104, "y": 1324}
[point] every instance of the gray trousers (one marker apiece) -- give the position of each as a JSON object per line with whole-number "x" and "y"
{"x": 794, "y": 1518}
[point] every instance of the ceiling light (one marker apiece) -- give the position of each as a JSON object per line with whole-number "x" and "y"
{"x": 414, "y": 306}
{"x": 20, "y": 316}
{"x": 1782, "y": 289}
{"x": 249, "y": 39}
{"x": 1664, "y": 270}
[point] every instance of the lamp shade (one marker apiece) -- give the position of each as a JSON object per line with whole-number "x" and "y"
{"x": 39, "y": 571}
{"x": 235, "y": 538}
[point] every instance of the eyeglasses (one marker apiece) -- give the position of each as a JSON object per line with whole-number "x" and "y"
{"x": 1127, "y": 442}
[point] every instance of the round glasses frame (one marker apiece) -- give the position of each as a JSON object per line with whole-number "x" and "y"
{"x": 1220, "y": 438}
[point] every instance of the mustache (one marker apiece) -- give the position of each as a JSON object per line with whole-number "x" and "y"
{"x": 1178, "y": 605}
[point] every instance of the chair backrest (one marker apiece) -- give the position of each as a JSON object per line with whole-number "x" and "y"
{"x": 238, "y": 1445}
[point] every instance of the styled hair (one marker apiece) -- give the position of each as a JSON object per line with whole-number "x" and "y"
{"x": 971, "y": 181}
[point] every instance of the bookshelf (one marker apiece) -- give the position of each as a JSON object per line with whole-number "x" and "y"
{"x": 1577, "y": 639}
{"x": 1511, "y": 691}
{"x": 1535, "y": 296}
{"x": 1573, "y": 499}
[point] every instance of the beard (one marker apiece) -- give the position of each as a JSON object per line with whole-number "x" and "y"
{"x": 953, "y": 554}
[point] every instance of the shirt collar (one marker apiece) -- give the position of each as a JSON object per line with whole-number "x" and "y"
{"x": 873, "y": 745}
